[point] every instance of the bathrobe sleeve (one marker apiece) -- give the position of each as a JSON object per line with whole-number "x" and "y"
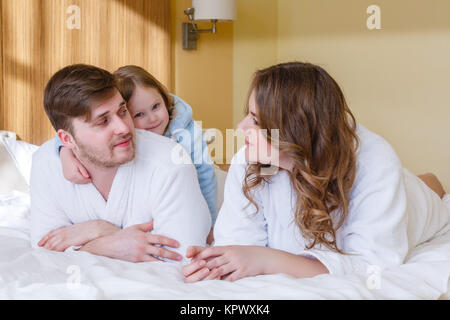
{"x": 179, "y": 210}
{"x": 46, "y": 212}
{"x": 375, "y": 231}
{"x": 237, "y": 222}
{"x": 185, "y": 131}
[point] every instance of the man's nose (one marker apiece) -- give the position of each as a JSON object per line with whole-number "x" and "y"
{"x": 121, "y": 127}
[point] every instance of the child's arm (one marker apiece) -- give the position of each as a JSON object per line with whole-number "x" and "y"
{"x": 187, "y": 133}
{"x": 73, "y": 169}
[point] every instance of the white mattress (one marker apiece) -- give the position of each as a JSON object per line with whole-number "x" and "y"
{"x": 27, "y": 273}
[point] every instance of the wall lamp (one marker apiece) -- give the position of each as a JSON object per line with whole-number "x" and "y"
{"x": 209, "y": 10}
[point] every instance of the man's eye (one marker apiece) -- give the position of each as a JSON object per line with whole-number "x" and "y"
{"x": 139, "y": 114}
{"x": 102, "y": 123}
{"x": 124, "y": 110}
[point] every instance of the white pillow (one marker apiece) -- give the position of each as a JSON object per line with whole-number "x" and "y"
{"x": 20, "y": 152}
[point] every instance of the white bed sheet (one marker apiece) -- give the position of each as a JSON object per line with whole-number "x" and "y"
{"x": 27, "y": 273}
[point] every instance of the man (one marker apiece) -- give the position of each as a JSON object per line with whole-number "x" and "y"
{"x": 136, "y": 186}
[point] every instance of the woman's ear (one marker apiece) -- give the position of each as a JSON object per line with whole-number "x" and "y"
{"x": 66, "y": 139}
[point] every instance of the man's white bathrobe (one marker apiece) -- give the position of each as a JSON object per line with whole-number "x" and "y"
{"x": 390, "y": 211}
{"x": 150, "y": 187}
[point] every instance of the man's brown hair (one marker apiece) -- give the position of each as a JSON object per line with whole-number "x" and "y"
{"x": 71, "y": 92}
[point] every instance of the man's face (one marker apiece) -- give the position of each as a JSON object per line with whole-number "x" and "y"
{"x": 107, "y": 140}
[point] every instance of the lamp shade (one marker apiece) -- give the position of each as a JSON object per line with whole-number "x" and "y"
{"x": 214, "y": 10}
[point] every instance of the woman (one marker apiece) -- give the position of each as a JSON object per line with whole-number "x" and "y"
{"x": 313, "y": 192}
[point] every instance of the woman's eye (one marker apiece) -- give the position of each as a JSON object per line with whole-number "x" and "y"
{"x": 155, "y": 106}
{"x": 255, "y": 121}
{"x": 124, "y": 110}
{"x": 102, "y": 123}
{"x": 139, "y": 114}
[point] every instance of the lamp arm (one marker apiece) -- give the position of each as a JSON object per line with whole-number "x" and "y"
{"x": 190, "y": 13}
{"x": 212, "y": 30}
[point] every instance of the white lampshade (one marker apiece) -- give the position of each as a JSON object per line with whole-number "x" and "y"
{"x": 214, "y": 9}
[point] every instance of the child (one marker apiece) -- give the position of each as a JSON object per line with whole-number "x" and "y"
{"x": 153, "y": 108}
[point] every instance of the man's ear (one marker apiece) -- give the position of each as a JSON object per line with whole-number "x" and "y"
{"x": 66, "y": 139}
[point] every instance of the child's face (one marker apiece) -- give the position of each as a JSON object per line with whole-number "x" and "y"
{"x": 148, "y": 110}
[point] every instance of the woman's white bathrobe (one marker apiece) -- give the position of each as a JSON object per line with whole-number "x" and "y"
{"x": 390, "y": 211}
{"x": 151, "y": 187}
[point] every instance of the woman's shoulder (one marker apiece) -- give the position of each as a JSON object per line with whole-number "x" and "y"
{"x": 275, "y": 178}
{"x": 376, "y": 163}
{"x": 374, "y": 150}
{"x": 239, "y": 158}
{"x": 238, "y": 165}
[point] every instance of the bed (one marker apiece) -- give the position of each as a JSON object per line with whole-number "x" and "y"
{"x": 27, "y": 273}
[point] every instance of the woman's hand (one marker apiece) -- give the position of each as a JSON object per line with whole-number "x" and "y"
{"x": 229, "y": 263}
{"x": 73, "y": 169}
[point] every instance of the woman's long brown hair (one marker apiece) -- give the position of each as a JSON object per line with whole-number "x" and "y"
{"x": 317, "y": 132}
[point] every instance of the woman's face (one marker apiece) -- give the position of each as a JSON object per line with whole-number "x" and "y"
{"x": 148, "y": 110}
{"x": 258, "y": 149}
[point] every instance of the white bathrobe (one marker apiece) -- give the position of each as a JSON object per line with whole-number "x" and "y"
{"x": 151, "y": 187}
{"x": 390, "y": 211}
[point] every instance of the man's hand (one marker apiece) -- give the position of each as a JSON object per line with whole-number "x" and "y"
{"x": 134, "y": 244}
{"x": 76, "y": 235}
{"x": 73, "y": 169}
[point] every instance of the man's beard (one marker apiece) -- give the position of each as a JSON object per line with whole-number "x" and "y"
{"x": 103, "y": 159}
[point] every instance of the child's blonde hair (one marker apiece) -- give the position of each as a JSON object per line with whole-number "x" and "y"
{"x": 127, "y": 77}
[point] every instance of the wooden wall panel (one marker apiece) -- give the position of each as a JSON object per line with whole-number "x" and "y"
{"x": 36, "y": 42}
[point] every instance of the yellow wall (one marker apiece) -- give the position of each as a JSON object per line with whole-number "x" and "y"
{"x": 204, "y": 77}
{"x": 396, "y": 80}
{"x": 254, "y": 46}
